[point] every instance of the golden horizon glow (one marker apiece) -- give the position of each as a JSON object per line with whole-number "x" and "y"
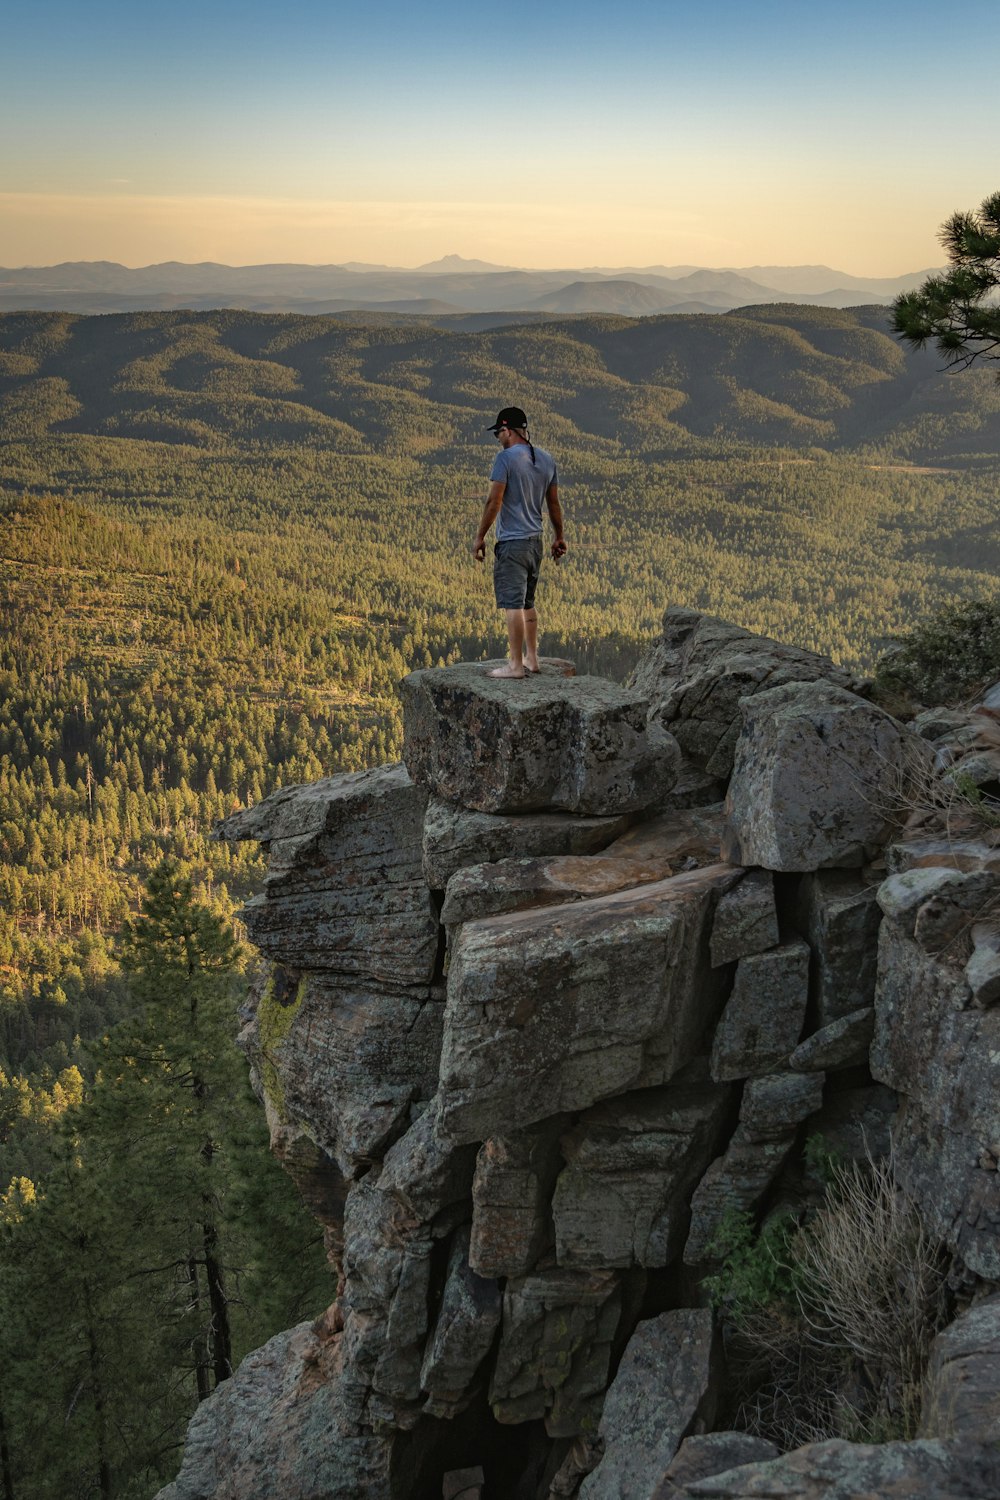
{"x": 666, "y": 134}
{"x": 145, "y": 229}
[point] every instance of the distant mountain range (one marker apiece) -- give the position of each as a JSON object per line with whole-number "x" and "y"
{"x": 441, "y": 288}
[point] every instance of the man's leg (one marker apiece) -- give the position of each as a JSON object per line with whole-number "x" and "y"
{"x": 531, "y": 639}
{"x": 515, "y": 643}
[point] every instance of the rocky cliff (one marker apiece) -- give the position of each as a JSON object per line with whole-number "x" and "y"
{"x": 545, "y": 1004}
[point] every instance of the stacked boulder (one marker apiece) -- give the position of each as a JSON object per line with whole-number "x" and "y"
{"x": 542, "y": 1009}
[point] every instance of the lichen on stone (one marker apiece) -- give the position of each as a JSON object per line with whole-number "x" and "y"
{"x": 275, "y": 1019}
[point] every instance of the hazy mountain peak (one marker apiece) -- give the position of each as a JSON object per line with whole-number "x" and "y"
{"x": 461, "y": 263}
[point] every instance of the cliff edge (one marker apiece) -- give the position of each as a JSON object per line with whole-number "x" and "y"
{"x": 546, "y": 1004}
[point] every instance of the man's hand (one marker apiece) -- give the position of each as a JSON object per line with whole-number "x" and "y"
{"x": 479, "y": 549}
{"x": 559, "y": 549}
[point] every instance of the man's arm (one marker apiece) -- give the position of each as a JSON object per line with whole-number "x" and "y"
{"x": 555, "y": 516}
{"x": 492, "y": 509}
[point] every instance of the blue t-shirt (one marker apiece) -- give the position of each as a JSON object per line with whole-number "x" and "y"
{"x": 521, "y": 509}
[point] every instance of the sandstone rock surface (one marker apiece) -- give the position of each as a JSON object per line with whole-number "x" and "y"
{"x": 655, "y": 850}
{"x": 496, "y": 1056}
{"x": 664, "y": 1380}
{"x": 763, "y": 1018}
{"x": 542, "y": 743}
{"x": 609, "y": 976}
{"x": 344, "y": 890}
{"x": 816, "y": 777}
{"x": 455, "y": 837}
{"x": 700, "y": 669}
{"x": 962, "y": 1395}
{"x": 945, "y": 1060}
{"x": 922, "y": 1470}
{"x": 631, "y": 1163}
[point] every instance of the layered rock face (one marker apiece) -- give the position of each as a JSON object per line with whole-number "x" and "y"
{"x": 542, "y": 1009}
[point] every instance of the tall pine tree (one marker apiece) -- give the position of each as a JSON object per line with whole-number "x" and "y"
{"x": 165, "y": 1242}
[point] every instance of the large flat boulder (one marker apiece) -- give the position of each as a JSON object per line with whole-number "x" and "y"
{"x": 455, "y": 837}
{"x": 701, "y": 667}
{"x": 654, "y": 850}
{"x": 817, "y": 775}
{"x": 544, "y": 743}
{"x": 554, "y": 1008}
{"x": 344, "y": 891}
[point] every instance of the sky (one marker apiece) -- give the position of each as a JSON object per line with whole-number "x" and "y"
{"x": 643, "y": 132}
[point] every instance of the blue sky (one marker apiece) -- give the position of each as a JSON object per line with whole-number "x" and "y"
{"x": 719, "y": 134}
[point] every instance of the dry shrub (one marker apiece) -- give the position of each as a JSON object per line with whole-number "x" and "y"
{"x": 926, "y": 792}
{"x": 871, "y": 1282}
{"x": 842, "y": 1352}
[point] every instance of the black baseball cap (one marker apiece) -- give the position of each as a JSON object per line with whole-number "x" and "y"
{"x": 511, "y": 416}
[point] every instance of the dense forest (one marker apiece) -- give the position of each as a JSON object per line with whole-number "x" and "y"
{"x": 223, "y": 539}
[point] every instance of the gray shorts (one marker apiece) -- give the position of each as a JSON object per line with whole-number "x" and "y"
{"x": 515, "y": 571}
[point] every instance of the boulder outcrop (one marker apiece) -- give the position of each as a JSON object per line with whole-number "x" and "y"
{"x": 344, "y": 891}
{"x": 542, "y": 1012}
{"x": 839, "y": 1470}
{"x": 700, "y": 671}
{"x": 963, "y": 1391}
{"x": 538, "y": 743}
{"x": 612, "y": 1003}
{"x": 665, "y": 1381}
{"x": 817, "y": 775}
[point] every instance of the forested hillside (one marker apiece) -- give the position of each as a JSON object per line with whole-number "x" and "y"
{"x": 223, "y": 539}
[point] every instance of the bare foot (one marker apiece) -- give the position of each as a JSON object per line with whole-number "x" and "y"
{"x": 508, "y": 671}
{"x": 531, "y": 665}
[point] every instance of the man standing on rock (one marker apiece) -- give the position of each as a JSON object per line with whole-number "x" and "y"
{"x": 523, "y": 478}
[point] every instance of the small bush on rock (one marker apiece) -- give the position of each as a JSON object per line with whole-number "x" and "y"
{"x": 946, "y": 658}
{"x": 756, "y": 1267}
{"x": 830, "y": 1322}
